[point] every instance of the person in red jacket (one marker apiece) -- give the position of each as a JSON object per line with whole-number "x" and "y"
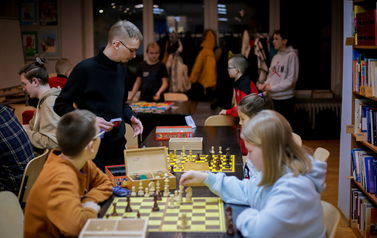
{"x": 63, "y": 68}
{"x": 243, "y": 86}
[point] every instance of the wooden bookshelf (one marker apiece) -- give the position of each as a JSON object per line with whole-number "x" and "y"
{"x": 359, "y": 94}
{"x": 370, "y": 195}
{"x": 365, "y": 47}
{"x": 367, "y": 144}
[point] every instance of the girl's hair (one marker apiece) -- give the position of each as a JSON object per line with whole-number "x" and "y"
{"x": 271, "y": 132}
{"x": 240, "y": 61}
{"x": 37, "y": 70}
{"x": 283, "y": 34}
{"x": 253, "y": 103}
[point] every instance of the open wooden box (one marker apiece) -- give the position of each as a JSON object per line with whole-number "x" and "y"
{"x": 195, "y": 143}
{"x": 152, "y": 162}
{"x": 137, "y": 228}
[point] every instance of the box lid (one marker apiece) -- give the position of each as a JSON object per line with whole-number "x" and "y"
{"x": 150, "y": 159}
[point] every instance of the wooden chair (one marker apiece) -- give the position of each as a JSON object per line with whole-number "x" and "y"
{"x": 321, "y": 154}
{"x": 32, "y": 171}
{"x": 221, "y": 120}
{"x": 132, "y": 143}
{"x": 332, "y": 217}
{"x": 297, "y": 139}
{"x": 11, "y": 216}
{"x": 175, "y": 97}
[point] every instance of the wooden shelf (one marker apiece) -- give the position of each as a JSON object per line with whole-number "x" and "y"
{"x": 365, "y": 47}
{"x": 359, "y": 94}
{"x": 370, "y": 195}
{"x": 367, "y": 144}
{"x": 357, "y": 232}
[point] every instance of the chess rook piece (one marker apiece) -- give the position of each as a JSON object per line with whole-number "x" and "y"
{"x": 155, "y": 205}
{"x": 184, "y": 221}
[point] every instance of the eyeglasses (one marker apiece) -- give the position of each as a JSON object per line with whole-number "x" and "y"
{"x": 132, "y": 51}
{"x": 100, "y": 135}
{"x": 229, "y": 68}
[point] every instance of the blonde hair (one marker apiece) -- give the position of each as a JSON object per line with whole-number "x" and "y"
{"x": 152, "y": 45}
{"x": 124, "y": 29}
{"x": 63, "y": 65}
{"x": 272, "y": 133}
{"x": 254, "y": 103}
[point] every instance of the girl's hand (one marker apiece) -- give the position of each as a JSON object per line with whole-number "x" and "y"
{"x": 192, "y": 176}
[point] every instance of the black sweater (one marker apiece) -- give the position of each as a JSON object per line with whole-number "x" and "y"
{"x": 99, "y": 85}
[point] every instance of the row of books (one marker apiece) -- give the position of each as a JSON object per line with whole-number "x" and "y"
{"x": 366, "y": 28}
{"x": 364, "y": 72}
{"x": 366, "y": 119}
{"x": 364, "y": 211}
{"x": 364, "y": 164}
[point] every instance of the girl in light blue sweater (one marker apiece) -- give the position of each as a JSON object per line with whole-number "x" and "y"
{"x": 284, "y": 198}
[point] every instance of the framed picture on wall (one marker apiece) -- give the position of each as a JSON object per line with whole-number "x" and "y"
{"x": 28, "y": 12}
{"x": 49, "y": 43}
{"x": 30, "y": 42}
{"x": 48, "y": 12}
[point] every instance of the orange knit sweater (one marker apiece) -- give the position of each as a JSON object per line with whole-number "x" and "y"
{"x": 54, "y": 205}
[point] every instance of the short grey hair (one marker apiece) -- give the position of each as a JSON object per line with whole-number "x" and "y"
{"x": 124, "y": 29}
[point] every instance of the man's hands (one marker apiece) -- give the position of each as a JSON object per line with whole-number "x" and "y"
{"x": 104, "y": 125}
{"x": 137, "y": 126}
{"x": 192, "y": 176}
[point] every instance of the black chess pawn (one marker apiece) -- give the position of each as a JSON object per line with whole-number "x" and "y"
{"x": 172, "y": 169}
{"x": 230, "y": 229}
{"x": 128, "y": 207}
{"x": 198, "y": 157}
{"x": 227, "y": 165}
{"x": 155, "y": 206}
{"x": 138, "y": 214}
{"x": 114, "y": 210}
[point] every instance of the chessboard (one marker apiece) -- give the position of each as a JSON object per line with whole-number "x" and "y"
{"x": 204, "y": 214}
{"x": 204, "y": 159}
{"x": 155, "y": 107}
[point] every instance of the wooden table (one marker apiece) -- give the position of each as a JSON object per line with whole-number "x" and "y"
{"x": 174, "y": 116}
{"x": 212, "y": 136}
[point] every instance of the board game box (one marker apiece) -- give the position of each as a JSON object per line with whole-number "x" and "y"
{"x": 117, "y": 174}
{"x": 150, "y": 107}
{"x": 167, "y": 132}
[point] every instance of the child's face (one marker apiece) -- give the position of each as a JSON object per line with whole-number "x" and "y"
{"x": 153, "y": 54}
{"x": 255, "y": 155}
{"x": 29, "y": 88}
{"x": 243, "y": 118}
{"x": 232, "y": 70}
{"x": 278, "y": 42}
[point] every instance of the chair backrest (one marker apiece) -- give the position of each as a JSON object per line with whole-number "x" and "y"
{"x": 175, "y": 97}
{"x": 51, "y": 75}
{"x": 221, "y": 120}
{"x": 32, "y": 171}
{"x": 321, "y": 154}
{"x": 297, "y": 139}
{"x": 332, "y": 217}
{"x": 11, "y": 216}
{"x": 132, "y": 143}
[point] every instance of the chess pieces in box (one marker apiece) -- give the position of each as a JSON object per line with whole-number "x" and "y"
{"x": 115, "y": 228}
{"x": 150, "y": 162}
{"x": 195, "y": 143}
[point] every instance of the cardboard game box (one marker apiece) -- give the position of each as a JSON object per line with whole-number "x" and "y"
{"x": 150, "y": 162}
{"x": 117, "y": 174}
{"x": 167, "y": 132}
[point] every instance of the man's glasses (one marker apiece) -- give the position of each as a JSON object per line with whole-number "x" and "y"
{"x": 132, "y": 51}
{"x": 229, "y": 68}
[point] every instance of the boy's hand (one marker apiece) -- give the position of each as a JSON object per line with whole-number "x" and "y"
{"x": 192, "y": 176}
{"x": 222, "y": 112}
{"x": 156, "y": 97}
{"x": 92, "y": 205}
{"x": 137, "y": 126}
{"x": 265, "y": 87}
{"x": 26, "y": 127}
{"x": 103, "y": 124}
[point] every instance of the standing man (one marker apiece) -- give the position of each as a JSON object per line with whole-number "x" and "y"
{"x": 99, "y": 85}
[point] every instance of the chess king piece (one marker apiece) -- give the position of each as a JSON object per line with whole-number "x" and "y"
{"x": 141, "y": 189}
{"x": 171, "y": 204}
{"x": 184, "y": 221}
{"x": 133, "y": 194}
{"x": 188, "y": 192}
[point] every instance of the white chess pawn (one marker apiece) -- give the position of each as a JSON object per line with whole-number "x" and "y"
{"x": 158, "y": 185}
{"x": 166, "y": 191}
{"x": 212, "y": 150}
{"x": 133, "y": 194}
{"x": 171, "y": 204}
{"x": 146, "y": 193}
{"x": 220, "y": 152}
{"x": 183, "y": 154}
{"x": 141, "y": 191}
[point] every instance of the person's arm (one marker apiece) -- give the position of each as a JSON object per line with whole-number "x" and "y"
{"x": 197, "y": 68}
{"x": 135, "y": 88}
{"x": 100, "y": 186}
{"x": 162, "y": 89}
{"x": 291, "y": 77}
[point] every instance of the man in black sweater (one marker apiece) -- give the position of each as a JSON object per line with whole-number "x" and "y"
{"x": 99, "y": 85}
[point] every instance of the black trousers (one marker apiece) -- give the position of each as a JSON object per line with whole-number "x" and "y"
{"x": 285, "y": 107}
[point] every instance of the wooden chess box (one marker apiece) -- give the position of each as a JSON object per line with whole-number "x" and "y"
{"x": 150, "y": 162}
{"x": 137, "y": 228}
{"x": 195, "y": 143}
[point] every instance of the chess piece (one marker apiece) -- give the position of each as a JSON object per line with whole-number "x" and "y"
{"x": 171, "y": 156}
{"x": 158, "y": 193}
{"x": 179, "y": 197}
{"x": 184, "y": 221}
{"x": 155, "y": 205}
{"x": 171, "y": 169}
{"x": 220, "y": 152}
{"x": 171, "y": 204}
{"x": 133, "y": 194}
{"x": 227, "y": 151}
{"x": 175, "y": 154}
{"x": 151, "y": 187}
{"x": 157, "y": 185}
{"x": 138, "y": 214}
{"x": 183, "y": 154}
{"x": 217, "y": 165}
{"x": 114, "y": 210}
{"x": 227, "y": 165}
{"x": 141, "y": 189}
{"x": 198, "y": 157}
{"x": 128, "y": 207}
{"x": 189, "y": 157}
{"x": 229, "y": 228}
{"x": 212, "y": 149}
{"x": 146, "y": 193}
{"x": 188, "y": 192}
{"x": 210, "y": 154}
{"x": 166, "y": 190}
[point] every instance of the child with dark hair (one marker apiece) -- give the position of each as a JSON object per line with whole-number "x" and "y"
{"x": 42, "y": 127}
{"x": 70, "y": 186}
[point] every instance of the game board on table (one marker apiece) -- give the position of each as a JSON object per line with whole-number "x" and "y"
{"x": 204, "y": 214}
{"x": 150, "y": 106}
{"x": 204, "y": 159}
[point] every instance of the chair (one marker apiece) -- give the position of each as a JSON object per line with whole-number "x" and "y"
{"x": 175, "y": 97}
{"x": 321, "y": 154}
{"x": 132, "y": 143}
{"x": 332, "y": 217}
{"x": 32, "y": 171}
{"x": 221, "y": 120}
{"x": 11, "y": 216}
{"x": 297, "y": 139}
{"x": 51, "y": 75}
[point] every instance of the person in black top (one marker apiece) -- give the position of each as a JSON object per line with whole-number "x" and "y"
{"x": 99, "y": 85}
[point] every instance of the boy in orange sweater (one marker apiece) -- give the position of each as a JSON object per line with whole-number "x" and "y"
{"x": 70, "y": 185}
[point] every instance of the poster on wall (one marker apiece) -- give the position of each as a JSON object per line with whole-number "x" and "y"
{"x": 30, "y": 42}
{"x": 28, "y": 12}
{"x": 48, "y": 12}
{"x": 49, "y": 40}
